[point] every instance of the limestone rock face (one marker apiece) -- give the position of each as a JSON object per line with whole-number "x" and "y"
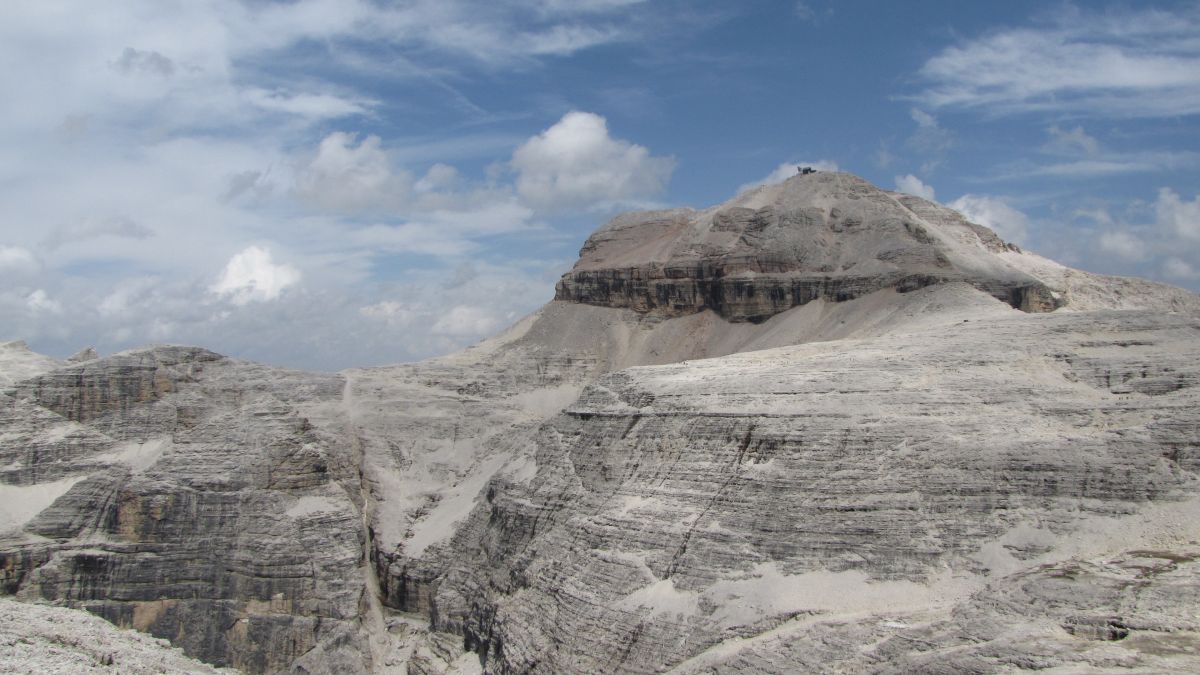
{"x": 41, "y": 639}
{"x": 679, "y": 507}
{"x": 808, "y": 430}
{"x": 195, "y": 497}
{"x": 823, "y": 235}
{"x": 18, "y": 362}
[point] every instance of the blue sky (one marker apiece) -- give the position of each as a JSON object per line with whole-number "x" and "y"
{"x": 326, "y": 184}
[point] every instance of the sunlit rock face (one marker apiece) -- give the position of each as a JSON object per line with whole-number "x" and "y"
{"x": 831, "y": 236}
{"x": 191, "y": 496}
{"x": 683, "y": 507}
{"x": 819, "y": 427}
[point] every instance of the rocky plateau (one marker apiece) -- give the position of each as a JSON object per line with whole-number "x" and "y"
{"x": 821, "y": 427}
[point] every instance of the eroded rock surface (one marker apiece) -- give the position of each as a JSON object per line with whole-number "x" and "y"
{"x": 823, "y": 235}
{"x": 191, "y": 496}
{"x": 811, "y": 429}
{"x": 60, "y": 641}
{"x": 678, "y": 507}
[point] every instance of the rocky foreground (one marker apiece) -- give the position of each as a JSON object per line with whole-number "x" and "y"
{"x": 60, "y": 641}
{"x": 821, "y": 427}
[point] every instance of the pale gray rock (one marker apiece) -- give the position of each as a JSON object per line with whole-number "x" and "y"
{"x": 191, "y": 496}
{"x": 823, "y": 235}
{"x": 892, "y": 466}
{"x": 18, "y": 361}
{"x": 85, "y": 354}
{"x": 678, "y": 507}
{"x": 60, "y": 641}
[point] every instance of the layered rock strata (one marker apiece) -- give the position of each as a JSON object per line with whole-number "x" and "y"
{"x": 40, "y": 639}
{"x": 680, "y": 507}
{"x": 887, "y": 478}
{"x": 191, "y": 496}
{"x": 824, "y": 235}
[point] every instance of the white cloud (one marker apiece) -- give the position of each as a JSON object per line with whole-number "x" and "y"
{"x": 1178, "y": 216}
{"x": 787, "y": 170}
{"x": 151, "y": 135}
{"x": 994, "y": 213}
{"x": 40, "y": 301}
{"x": 1123, "y": 244}
{"x": 94, "y": 228}
{"x": 420, "y": 238}
{"x": 468, "y": 321}
{"x": 1071, "y": 141}
{"x": 248, "y": 182}
{"x": 1179, "y": 269}
{"x": 17, "y": 260}
{"x": 352, "y": 178}
{"x": 930, "y": 138}
{"x": 575, "y": 163}
{"x": 438, "y": 177}
{"x": 1156, "y": 239}
{"x": 912, "y": 185}
{"x": 805, "y": 11}
{"x": 311, "y": 105}
{"x": 144, "y": 62}
{"x": 1143, "y": 63}
{"x": 251, "y": 276}
{"x": 443, "y": 311}
{"x": 389, "y": 310}
{"x": 1104, "y": 164}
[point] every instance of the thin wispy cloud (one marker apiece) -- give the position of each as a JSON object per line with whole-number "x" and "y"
{"x": 1129, "y": 63}
{"x": 1103, "y": 164}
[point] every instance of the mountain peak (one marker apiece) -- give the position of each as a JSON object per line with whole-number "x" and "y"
{"x": 829, "y": 235}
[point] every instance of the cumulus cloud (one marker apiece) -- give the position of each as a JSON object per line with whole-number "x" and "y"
{"x": 40, "y": 302}
{"x": 1142, "y": 63}
{"x": 438, "y": 177}
{"x": 17, "y": 260}
{"x": 912, "y": 185}
{"x": 252, "y": 276}
{"x": 172, "y": 130}
{"x": 1123, "y": 244}
{"x": 1175, "y": 268}
{"x": 441, "y": 312}
{"x": 467, "y": 321}
{"x": 347, "y": 177}
{"x": 1159, "y": 239}
{"x": 994, "y": 213}
{"x": 576, "y": 163}
{"x": 787, "y": 170}
{"x": 1178, "y": 215}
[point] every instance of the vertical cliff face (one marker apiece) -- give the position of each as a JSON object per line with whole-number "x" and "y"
{"x": 830, "y": 236}
{"x": 821, "y": 424}
{"x": 193, "y": 497}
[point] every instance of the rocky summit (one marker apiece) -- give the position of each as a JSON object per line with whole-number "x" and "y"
{"x": 821, "y": 235}
{"x": 821, "y": 427}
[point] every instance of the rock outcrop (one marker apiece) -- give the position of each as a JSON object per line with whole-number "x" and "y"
{"x": 822, "y": 235}
{"x": 191, "y": 496}
{"x": 821, "y": 427}
{"x": 42, "y": 639}
{"x": 679, "y": 507}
